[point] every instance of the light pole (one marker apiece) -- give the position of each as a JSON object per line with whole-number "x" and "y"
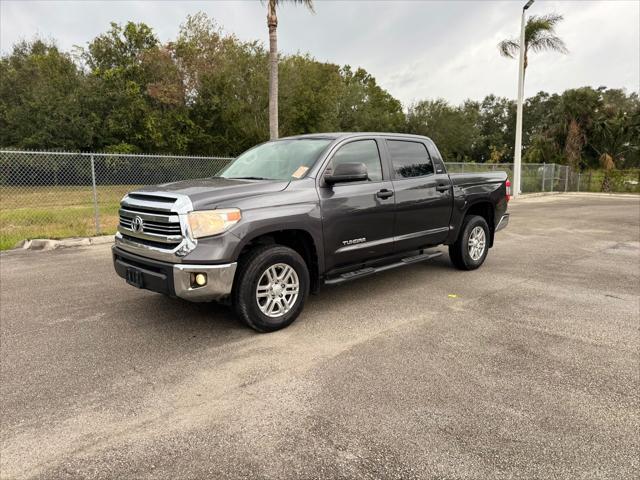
{"x": 517, "y": 161}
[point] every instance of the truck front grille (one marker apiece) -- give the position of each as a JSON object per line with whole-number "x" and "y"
{"x": 150, "y": 220}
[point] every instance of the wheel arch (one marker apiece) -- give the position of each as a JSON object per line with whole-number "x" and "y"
{"x": 298, "y": 239}
{"x": 486, "y": 210}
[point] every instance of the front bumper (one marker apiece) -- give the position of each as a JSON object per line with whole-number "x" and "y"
{"x": 175, "y": 279}
{"x": 504, "y": 221}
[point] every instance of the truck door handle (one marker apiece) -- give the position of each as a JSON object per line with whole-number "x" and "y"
{"x": 442, "y": 187}
{"x": 384, "y": 193}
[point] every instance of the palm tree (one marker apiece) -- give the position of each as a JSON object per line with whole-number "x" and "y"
{"x": 539, "y": 35}
{"x": 577, "y": 107}
{"x": 272, "y": 23}
{"x": 612, "y": 138}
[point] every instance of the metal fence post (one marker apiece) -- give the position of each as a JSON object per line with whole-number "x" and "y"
{"x": 96, "y": 211}
{"x": 566, "y": 178}
{"x": 544, "y": 171}
{"x": 553, "y": 175}
{"x": 578, "y": 182}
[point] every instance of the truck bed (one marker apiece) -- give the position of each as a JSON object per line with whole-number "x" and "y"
{"x": 477, "y": 178}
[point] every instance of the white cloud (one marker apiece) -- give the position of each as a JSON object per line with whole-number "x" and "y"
{"x": 415, "y": 49}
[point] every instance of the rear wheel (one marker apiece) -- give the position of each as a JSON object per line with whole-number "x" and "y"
{"x": 271, "y": 287}
{"x": 471, "y": 248}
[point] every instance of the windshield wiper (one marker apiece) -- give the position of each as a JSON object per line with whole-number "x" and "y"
{"x": 249, "y": 178}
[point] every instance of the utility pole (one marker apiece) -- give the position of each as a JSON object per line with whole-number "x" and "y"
{"x": 517, "y": 161}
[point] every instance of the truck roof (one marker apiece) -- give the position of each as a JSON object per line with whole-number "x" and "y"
{"x": 340, "y": 135}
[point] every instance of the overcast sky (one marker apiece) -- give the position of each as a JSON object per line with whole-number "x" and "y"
{"x": 415, "y": 49}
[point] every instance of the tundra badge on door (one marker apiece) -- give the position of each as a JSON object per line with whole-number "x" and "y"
{"x": 354, "y": 241}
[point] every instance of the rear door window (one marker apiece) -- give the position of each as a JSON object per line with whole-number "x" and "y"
{"x": 409, "y": 159}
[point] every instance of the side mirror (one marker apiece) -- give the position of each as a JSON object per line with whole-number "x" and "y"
{"x": 347, "y": 172}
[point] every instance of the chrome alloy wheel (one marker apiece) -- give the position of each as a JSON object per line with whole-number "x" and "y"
{"x": 477, "y": 243}
{"x": 277, "y": 290}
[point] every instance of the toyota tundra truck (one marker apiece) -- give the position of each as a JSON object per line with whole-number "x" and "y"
{"x": 291, "y": 215}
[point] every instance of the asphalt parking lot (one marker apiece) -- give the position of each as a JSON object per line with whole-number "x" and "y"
{"x": 526, "y": 368}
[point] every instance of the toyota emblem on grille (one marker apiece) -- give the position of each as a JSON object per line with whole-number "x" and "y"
{"x": 137, "y": 224}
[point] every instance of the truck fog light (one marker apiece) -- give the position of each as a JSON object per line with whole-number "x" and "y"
{"x": 198, "y": 279}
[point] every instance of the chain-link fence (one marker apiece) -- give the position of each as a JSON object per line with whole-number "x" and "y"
{"x": 535, "y": 177}
{"x": 62, "y": 194}
{"x": 551, "y": 177}
{"x": 620, "y": 181}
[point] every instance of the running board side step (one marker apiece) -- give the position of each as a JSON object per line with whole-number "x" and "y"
{"x": 365, "y": 272}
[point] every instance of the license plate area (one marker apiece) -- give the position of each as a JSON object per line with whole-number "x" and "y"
{"x": 134, "y": 277}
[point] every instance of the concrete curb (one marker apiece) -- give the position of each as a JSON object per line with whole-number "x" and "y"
{"x": 537, "y": 194}
{"x": 601, "y": 194}
{"x": 524, "y": 196}
{"x": 45, "y": 244}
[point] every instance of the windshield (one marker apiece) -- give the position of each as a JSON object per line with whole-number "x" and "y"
{"x": 278, "y": 160}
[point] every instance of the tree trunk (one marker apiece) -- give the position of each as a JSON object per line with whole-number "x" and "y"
{"x": 573, "y": 145}
{"x": 608, "y": 165}
{"x": 272, "y": 22}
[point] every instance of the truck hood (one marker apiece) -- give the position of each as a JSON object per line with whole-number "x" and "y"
{"x": 211, "y": 192}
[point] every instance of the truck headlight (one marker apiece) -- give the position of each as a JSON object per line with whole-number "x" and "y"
{"x": 205, "y": 223}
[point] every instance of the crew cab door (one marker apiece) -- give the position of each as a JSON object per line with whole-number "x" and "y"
{"x": 423, "y": 195}
{"x": 357, "y": 217}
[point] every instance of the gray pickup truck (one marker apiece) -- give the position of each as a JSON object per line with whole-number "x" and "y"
{"x": 290, "y": 215}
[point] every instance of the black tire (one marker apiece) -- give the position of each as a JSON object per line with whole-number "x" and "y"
{"x": 459, "y": 251}
{"x": 251, "y": 267}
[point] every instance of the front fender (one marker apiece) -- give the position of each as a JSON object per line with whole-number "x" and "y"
{"x": 257, "y": 222}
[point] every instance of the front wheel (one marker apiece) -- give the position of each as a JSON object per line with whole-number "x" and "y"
{"x": 471, "y": 248}
{"x": 271, "y": 288}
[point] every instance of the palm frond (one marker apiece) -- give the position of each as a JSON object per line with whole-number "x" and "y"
{"x": 540, "y": 33}
{"x": 548, "y": 42}
{"x": 508, "y": 48}
{"x": 544, "y": 22}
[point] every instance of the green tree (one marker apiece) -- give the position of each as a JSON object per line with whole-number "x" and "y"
{"x": 230, "y": 108}
{"x": 615, "y": 133}
{"x": 577, "y": 109}
{"x": 495, "y": 125}
{"x": 453, "y": 129}
{"x": 272, "y": 23}
{"x": 543, "y": 134}
{"x": 365, "y": 106}
{"x": 138, "y": 97}
{"x": 613, "y": 136}
{"x": 42, "y": 99}
{"x": 120, "y": 48}
{"x": 118, "y": 86}
{"x": 310, "y": 95}
{"x": 226, "y": 87}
